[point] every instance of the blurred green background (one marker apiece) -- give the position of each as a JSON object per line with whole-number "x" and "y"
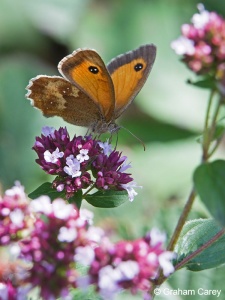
{"x": 167, "y": 115}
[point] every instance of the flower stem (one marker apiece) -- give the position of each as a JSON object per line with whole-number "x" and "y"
{"x": 181, "y": 221}
{"x": 208, "y": 110}
{"x": 88, "y": 191}
{"x": 209, "y": 132}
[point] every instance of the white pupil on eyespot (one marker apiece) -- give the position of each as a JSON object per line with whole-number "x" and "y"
{"x": 93, "y": 69}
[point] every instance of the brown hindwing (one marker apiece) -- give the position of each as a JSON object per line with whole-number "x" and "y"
{"x": 55, "y": 96}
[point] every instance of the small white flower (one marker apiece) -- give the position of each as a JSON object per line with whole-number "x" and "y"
{"x": 16, "y": 190}
{"x": 73, "y": 166}
{"x": 46, "y": 130}
{"x": 157, "y": 237}
{"x": 106, "y": 278}
{"x": 67, "y": 234}
{"x": 107, "y": 148}
{"x": 5, "y": 211}
{"x": 130, "y": 189}
{"x": 108, "y": 282}
{"x": 17, "y": 217}
{"x": 83, "y": 155}
{"x": 165, "y": 263}
{"x": 53, "y": 157}
{"x": 143, "y": 249}
{"x": 201, "y": 19}
{"x": 14, "y": 250}
{"x": 41, "y": 204}
{"x": 95, "y": 234}
{"x": 87, "y": 215}
{"x": 60, "y": 187}
{"x": 128, "y": 269}
{"x": 61, "y": 209}
{"x": 183, "y": 46}
{"x": 84, "y": 255}
{"x": 152, "y": 258}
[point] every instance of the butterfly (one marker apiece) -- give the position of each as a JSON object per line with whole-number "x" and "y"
{"x": 91, "y": 94}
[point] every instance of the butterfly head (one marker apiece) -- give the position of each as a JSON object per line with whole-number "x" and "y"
{"x": 103, "y": 127}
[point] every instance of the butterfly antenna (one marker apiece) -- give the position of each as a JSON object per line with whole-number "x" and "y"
{"x": 143, "y": 144}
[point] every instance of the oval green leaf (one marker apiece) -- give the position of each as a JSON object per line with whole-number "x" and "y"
{"x": 76, "y": 199}
{"x": 47, "y": 190}
{"x": 107, "y": 199}
{"x": 195, "y": 234}
{"x": 209, "y": 181}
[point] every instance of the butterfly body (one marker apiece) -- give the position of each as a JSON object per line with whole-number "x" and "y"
{"x": 91, "y": 94}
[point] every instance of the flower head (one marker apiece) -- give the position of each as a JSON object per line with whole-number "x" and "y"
{"x": 81, "y": 162}
{"x": 202, "y": 43}
{"x": 57, "y": 232}
{"x": 60, "y": 239}
{"x": 129, "y": 264}
{"x": 13, "y": 215}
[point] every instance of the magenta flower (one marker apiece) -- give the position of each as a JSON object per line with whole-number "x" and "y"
{"x": 81, "y": 162}
{"x": 57, "y": 232}
{"x": 202, "y": 44}
{"x": 60, "y": 238}
{"x": 126, "y": 265}
{"x": 13, "y": 215}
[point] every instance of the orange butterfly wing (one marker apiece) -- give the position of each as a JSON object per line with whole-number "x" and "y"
{"x": 86, "y": 70}
{"x": 129, "y": 72}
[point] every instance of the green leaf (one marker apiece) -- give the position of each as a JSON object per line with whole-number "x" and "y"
{"x": 206, "y": 83}
{"x": 107, "y": 199}
{"x": 219, "y": 131}
{"x": 209, "y": 181}
{"x": 47, "y": 190}
{"x": 76, "y": 199}
{"x": 196, "y": 233}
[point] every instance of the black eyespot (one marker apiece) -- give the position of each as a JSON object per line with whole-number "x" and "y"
{"x": 93, "y": 69}
{"x": 138, "y": 67}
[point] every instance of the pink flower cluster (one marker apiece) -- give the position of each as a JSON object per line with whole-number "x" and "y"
{"x": 127, "y": 265}
{"x": 82, "y": 162}
{"x": 57, "y": 231}
{"x": 59, "y": 238}
{"x": 202, "y": 43}
{"x": 13, "y": 212}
